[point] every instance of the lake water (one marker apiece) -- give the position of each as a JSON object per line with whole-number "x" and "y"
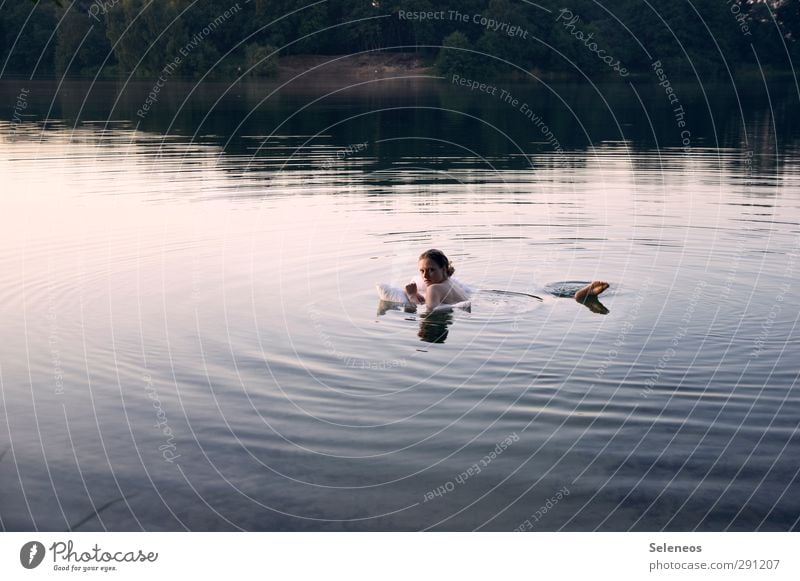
{"x": 192, "y": 337}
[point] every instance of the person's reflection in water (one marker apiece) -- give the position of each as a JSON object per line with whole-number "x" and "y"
{"x": 433, "y": 326}
{"x": 386, "y": 306}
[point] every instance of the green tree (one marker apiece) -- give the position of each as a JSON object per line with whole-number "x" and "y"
{"x": 457, "y": 57}
{"x": 787, "y": 13}
{"x": 135, "y": 29}
{"x": 147, "y": 37}
{"x": 360, "y": 31}
{"x": 704, "y": 34}
{"x": 260, "y": 60}
{"x": 26, "y": 32}
{"x": 520, "y": 49}
{"x": 81, "y": 41}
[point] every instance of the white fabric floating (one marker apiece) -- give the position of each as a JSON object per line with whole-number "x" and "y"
{"x": 393, "y": 294}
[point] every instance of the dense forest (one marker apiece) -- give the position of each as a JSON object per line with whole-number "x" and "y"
{"x": 223, "y": 38}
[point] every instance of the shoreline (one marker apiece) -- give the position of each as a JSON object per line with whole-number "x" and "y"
{"x": 348, "y": 68}
{"x": 354, "y": 67}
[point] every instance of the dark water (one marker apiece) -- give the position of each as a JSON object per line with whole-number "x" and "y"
{"x": 192, "y": 338}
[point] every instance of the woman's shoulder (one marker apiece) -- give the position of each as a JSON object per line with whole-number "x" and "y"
{"x": 439, "y": 289}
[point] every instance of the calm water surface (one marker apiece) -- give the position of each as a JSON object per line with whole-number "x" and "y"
{"x": 192, "y": 337}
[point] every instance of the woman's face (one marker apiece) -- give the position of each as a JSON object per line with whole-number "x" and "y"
{"x": 431, "y": 272}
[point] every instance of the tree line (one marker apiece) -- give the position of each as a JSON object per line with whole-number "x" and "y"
{"x": 486, "y": 37}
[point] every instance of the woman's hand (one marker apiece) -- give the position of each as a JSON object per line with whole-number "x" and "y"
{"x": 413, "y": 293}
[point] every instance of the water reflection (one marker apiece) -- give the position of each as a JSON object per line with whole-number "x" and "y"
{"x": 379, "y": 120}
{"x": 593, "y": 304}
{"x": 433, "y": 326}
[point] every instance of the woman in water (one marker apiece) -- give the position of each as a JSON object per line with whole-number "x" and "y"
{"x": 436, "y": 269}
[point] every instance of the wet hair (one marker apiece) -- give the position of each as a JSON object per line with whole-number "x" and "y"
{"x": 440, "y": 259}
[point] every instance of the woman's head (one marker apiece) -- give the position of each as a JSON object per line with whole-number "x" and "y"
{"x": 435, "y": 267}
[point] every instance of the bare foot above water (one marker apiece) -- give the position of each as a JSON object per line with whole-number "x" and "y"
{"x": 592, "y": 289}
{"x": 587, "y": 296}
